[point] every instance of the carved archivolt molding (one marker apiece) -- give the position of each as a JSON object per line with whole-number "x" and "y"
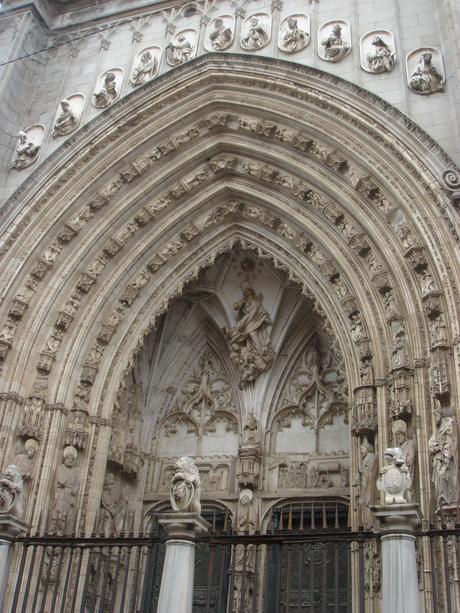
{"x": 384, "y": 195}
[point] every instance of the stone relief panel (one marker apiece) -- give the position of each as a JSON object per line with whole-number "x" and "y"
{"x": 294, "y": 33}
{"x": 377, "y": 51}
{"x": 145, "y": 66}
{"x": 334, "y": 40}
{"x": 214, "y": 474}
{"x": 68, "y": 115}
{"x": 182, "y": 47}
{"x": 108, "y": 88}
{"x": 256, "y": 32}
{"x": 28, "y": 146}
{"x": 220, "y": 33}
{"x": 425, "y": 70}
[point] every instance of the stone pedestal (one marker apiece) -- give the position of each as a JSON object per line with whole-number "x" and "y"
{"x": 400, "y": 592}
{"x": 10, "y": 528}
{"x": 176, "y": 590}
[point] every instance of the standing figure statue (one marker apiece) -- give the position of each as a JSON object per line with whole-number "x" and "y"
{"x": 26, "y": 464}
{"x": 26, "y": 151}
{"x": 407, "y": 446}
{"x": 220, "y": 36}
{"x": 108, "y": 510}
{"x": 65, "y": 121}
{"x": 382, "y": 58}
{"x": 256, "y": 38}
{"x": 249, "y": 339}
{"x": 145, "y": 69}
{"x": 426, "y": 79}
{"x": 443, "y": 449}
{"x": 179, "y": 51}
{"x": 11, "y": 491}
{"x": 108, "y": 92}
{"x": 368, "y": 471}
{"x": 294, "y": 38}
{"x": 67, "y": 486}
{"x": 186, "y": 487}
{"x": 335, "y": 48}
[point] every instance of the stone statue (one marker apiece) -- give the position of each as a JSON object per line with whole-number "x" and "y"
{"x": 382, "y": 58}
{"x": 179, "y": 51}
{"x": 11, "y": 491}
{"x": 66, "y": 121}
{"x": 443, "y": 449}
{"x": 108, "y": 92}
{"x": 399, "y": 350}
{"x": 145, "y": 69}
{"x": 185, "y": 487}
{"x": 426, "y": 79}
{"x": 249, "y": 339}
{"x": 26, "y": 464}
{"x": 394, "y": 478}
{"x": 367, "y": 471}
{"x": 407, "y": 446}
{"x": 220, "y": 36}
{"x": 294, "y": 38}
{"x": 109, "y": 508}
{"x": 66, "y": 492}
{"x": 256, "y": 38}
{"x": 26, "y": 151}
{"x": 251, "y": 432}
{"x": 335, "y": 48}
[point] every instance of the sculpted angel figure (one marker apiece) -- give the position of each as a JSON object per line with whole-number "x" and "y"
{"x": 382, "y": 58}
{"x": 294, "y": 39}
{"x": 256, "y": 38}
{"x": 26, "y": 151}
{"x": 186, "y": 487}
{"x": 66, "y": 120}
{"x": 108, "y": 92}
{"x": 443, "y": 449}
{"x": 179, "y": 51}
{"x": 426, "y": 79}
{"x": 11, "y": 491}
{"x": 220, "y": 37}
{"x": 145, "y": 69}
{"x": 335, "y": 48}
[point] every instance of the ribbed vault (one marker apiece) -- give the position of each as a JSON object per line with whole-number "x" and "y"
{"x": 327, "y": 181}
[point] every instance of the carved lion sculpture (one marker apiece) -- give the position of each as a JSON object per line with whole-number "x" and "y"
{"x": 11, "y": 491}
{"x": 185, "y": 487}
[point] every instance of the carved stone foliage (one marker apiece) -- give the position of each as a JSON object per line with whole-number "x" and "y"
{"x": 256, "y": 32}
{"x": 220, "y": 33}
{"x": 249, "y": 339}
{"x": 425, "y": 71}
{"x": 28, "y": 146}
{"x": 294, "y": 33}
{"x": 182, "y": 47}
{"x": 108, "y": 88}
{"x": 145, "y": 66}
{"x": 68, "y": 115}
{"x": 377, "y": 49}
{"x": 334, "y": 40}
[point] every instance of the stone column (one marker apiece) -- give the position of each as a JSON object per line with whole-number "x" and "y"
{"x": 10, "y": 528}
{"x": 400, "y": 593}
{"x": 176, "y": 590}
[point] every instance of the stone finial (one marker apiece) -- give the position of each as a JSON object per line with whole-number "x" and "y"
{"x": 394, "y": 478}
{"x": 11, "y": 487}
{"x": 185, "y": 487}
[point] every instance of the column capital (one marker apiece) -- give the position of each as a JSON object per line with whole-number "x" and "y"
{"x": 397, "y": 517}
{"x": 183, "y": 526}
{"x": 11, "y": 527}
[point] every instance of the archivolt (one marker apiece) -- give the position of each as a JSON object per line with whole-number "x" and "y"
{"x": 327, "y": 180}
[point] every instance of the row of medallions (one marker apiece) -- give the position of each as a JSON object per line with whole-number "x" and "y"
{"x": 424, "y": 66}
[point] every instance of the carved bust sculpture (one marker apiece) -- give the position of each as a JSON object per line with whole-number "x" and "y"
{"x": 256, "y": 37}
{"x": 178, "y": 51}
{"x": 11, "y": 491}
{"x": 426, "y": 79}
{"x": 394, "y": 478}
{"x": 443, "y": 449}
{"x": 26, "y": 151}
{"x": 145, "y": 69}
{"x": 294, "y": 38}
{"x": 220, "y": 36}
{"x": 186, "y": 487}
{"x": 335, "y": 47}
{"x": 108, "y": 92}
{"x": 66, "y": 492}
{"x": 66, "y": 120}
{"x": 382, "y": 58}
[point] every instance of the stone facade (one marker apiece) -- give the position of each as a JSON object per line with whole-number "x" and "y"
{"x": 229, "y": 233}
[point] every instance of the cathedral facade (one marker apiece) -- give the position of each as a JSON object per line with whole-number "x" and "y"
{"x": 229, "y": 231}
